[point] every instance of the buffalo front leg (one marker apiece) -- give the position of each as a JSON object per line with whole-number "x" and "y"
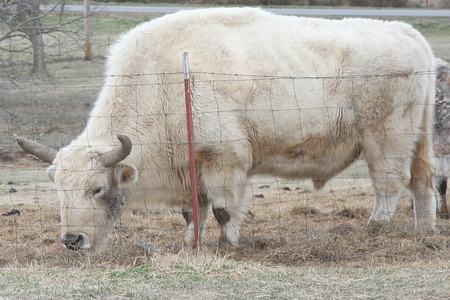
{"x": 230, "y": 208}
{"x": 223, "y": 217}
{"x": 189, "y": 237}
{"x": 230, "y": 220}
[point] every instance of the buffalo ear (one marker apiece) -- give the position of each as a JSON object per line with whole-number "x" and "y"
{"x": 51, "y": 172}
{"x": 125, "y": 174}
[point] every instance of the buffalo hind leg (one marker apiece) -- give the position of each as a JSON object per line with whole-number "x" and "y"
{"x": 389, "y": 187}
{"x": 393, "y": 167}
{"x": 423, "y": 189}
{"x": 389, "y": 183}
{"x": 189, "y": 236}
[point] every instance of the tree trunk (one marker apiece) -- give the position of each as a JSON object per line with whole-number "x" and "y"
{"x": 29, "y": 14}
{"x": 37, "y": 42}
{"x": 87, "y": 29}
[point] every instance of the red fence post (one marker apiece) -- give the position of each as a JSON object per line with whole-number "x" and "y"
{"x": 192, "y": 170}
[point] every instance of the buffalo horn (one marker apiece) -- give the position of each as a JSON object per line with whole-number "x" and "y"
{"x": 117, "y": 154}
{"x": 42, "y": 152}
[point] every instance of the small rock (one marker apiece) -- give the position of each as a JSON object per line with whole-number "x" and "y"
{"x": 11, "y": 212}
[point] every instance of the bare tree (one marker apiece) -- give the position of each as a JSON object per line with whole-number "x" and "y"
{"x": 87, "y": 30}
{"x": 24, "y": 19}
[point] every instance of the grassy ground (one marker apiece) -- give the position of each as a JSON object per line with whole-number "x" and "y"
{"x": 322, "y": 253}
{"x": 184, "y": 276}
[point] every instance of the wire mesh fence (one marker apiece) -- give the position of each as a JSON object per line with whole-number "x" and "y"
{"x": 287, "y": 221}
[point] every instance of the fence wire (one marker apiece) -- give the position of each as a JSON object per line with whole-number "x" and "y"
{"x": 287, "y": 222}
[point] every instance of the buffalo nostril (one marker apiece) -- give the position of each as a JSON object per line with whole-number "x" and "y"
{"x": 72, "y": 241}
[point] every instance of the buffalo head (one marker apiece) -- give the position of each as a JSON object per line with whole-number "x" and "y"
{"x": 91, "y": 186}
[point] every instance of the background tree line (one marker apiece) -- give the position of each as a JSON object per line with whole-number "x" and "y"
{"x": 24, "y": 21}
{"x": 24, "y": 24}
{"x": 360, "y": 3}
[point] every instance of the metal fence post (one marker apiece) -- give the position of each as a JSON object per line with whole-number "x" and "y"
{"x": 192, "y": 167}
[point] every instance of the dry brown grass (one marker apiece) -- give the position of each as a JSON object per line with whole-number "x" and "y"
{"x": 295, "y": 244}
{"x": 288, "y": 227}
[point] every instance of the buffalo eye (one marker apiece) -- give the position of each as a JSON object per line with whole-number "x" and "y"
{"x": 96, "y": 191}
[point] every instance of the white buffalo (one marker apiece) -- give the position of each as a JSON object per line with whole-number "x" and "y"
{"x": 273, "y": 95}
